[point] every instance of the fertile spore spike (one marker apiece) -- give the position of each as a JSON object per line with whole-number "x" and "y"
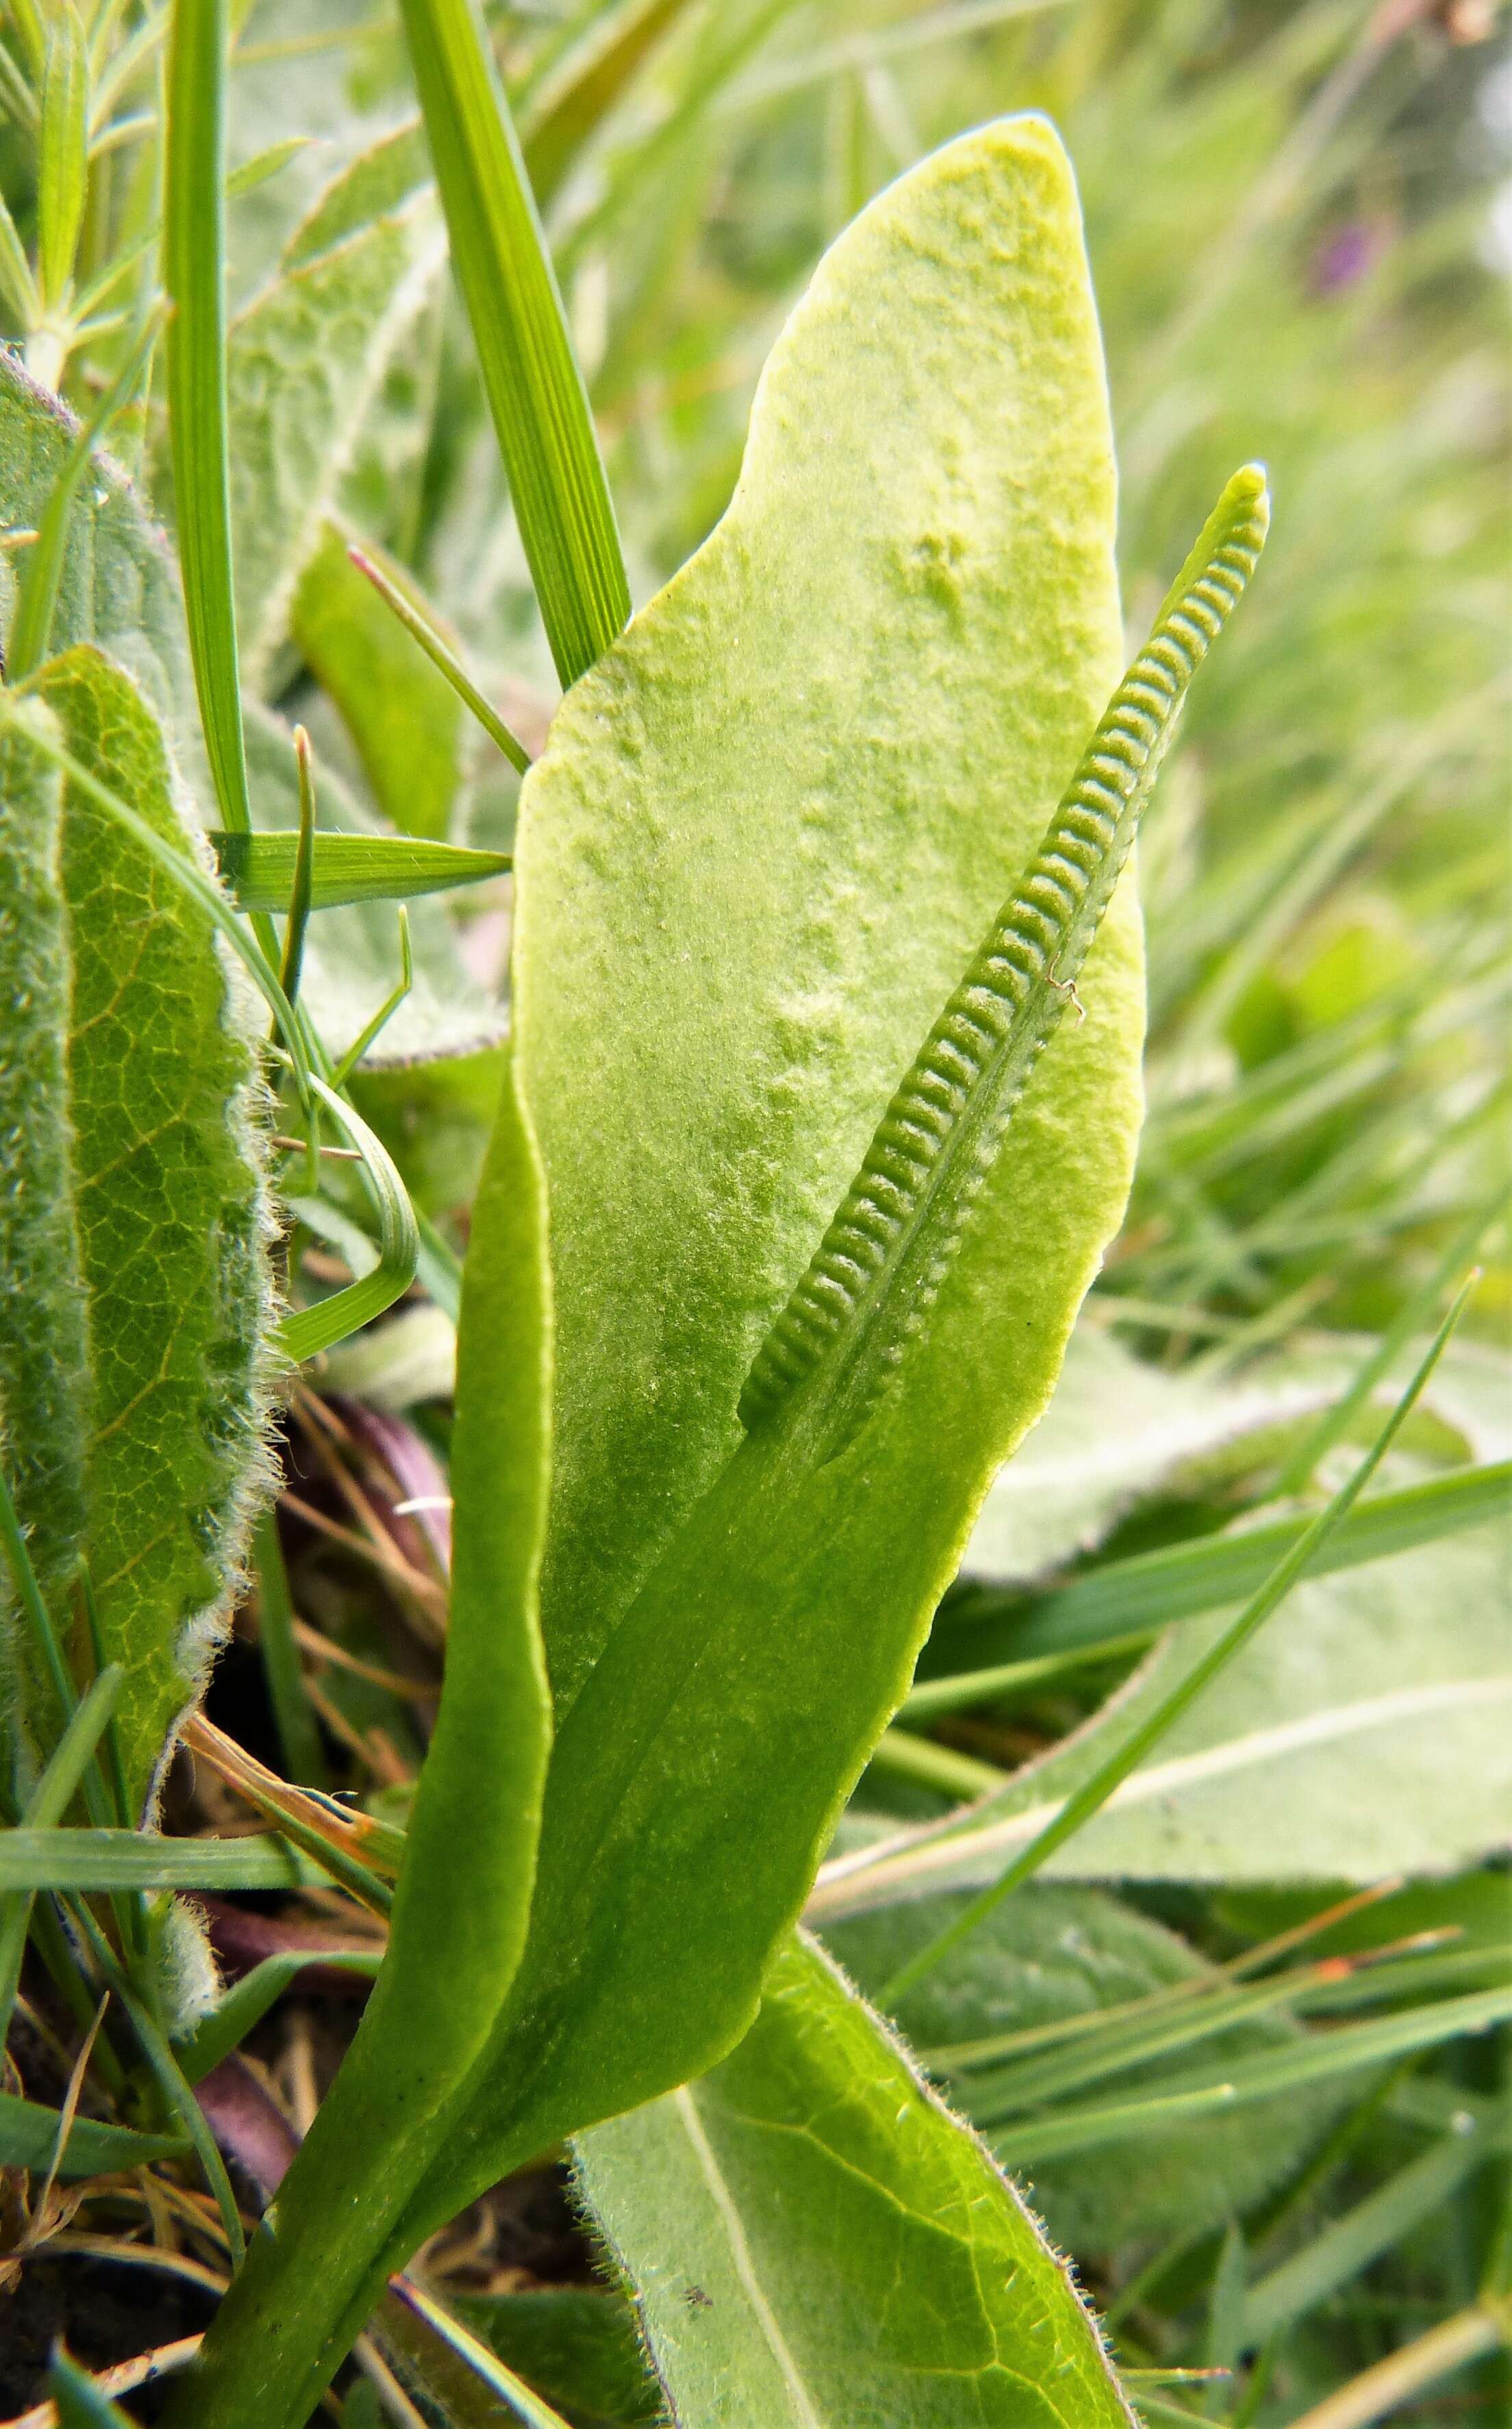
{"x": 881, "y": 1263}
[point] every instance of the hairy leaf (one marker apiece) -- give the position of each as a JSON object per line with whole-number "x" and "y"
{"x": 120, "y": 586}
{"x": 303, "y": 363}
{"x": 1053, "y": 1952}
{"x": 815, "y": 2242}
{"x": 163, "y": 1292}
{"x": 414, "y": 738}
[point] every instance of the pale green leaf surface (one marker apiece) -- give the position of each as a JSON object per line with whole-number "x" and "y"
{"x": 412, "y": 734}
{"x": 304, "y": 359}
{"x": 351, "y": 954}
{"x": 119, "y": 585}
{"x": 1053, "y": 1952}
{"x": 815, "y": 2242}
{"x": 884, "y": 669}
{"x": 164, "y": 1191}
{"x": 1368, "y": 1732}
{"x": 771, "y": 827}
{"x": 1117, "y": 1430}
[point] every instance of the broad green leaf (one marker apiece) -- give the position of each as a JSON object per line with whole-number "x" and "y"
{"x": 712, "y": 1011}
{"x": 534, "y": 389}
{"x": 305, "y": 360}
{"x": 120, "y": 586}
{"x": 259, "y": 868}
{"x": 1056, "y": 1952}
{"x": 164, "y": 1292}
{"x": 815, "y": 2242}
{"x": 414, "y": 738}
{"x": 352, "y": 955}
{"x": 1366, "y": 1734}
{"x": 461, "y": 1908}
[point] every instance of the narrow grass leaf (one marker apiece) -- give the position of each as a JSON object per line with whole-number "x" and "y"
{"x": 44, "y": 1810}
{"x": 1080, "y": 1807}
{"x": 1318, "y": 2060}
{"x": 194, "y": 282}
{"x": 1352, "y": 2242}
{"x": 423, "y": 630}
{"x": 455, "y": 2338}
{"x": 246, "y": 2003}
{"x": 1123, "y": 1602}
{"x": 28, "y": 2136}
{"x": 258, "y": 869}
{"x": 102, "y": 1860}
{"x": 62, "y": 157}
{"x": 81, "y": 2405}
{"x": 534, "y": 389}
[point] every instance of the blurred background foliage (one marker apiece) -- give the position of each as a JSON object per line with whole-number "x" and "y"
{"x": 1299, "y": 214}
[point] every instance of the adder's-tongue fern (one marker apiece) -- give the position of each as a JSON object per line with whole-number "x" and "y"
{"x": 877, "y": 1269}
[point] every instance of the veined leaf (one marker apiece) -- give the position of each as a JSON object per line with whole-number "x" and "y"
{"x": 534, "y": 389}
{"x": 414, "y": 738}
{"x": 578, "y": 2349}
{"x": 813, "y": 2241}
{"x": 305, "y": 362}
{"x": 118, "y": 588}
{"x": 151, "y": 1444}
{"x": 708, "y": 1738}
{"x": 351, "y": 953}
{"x": 62, "y": 158}
{"x": 460, "y": 1910}
{"x": 259, "y": 868}
{"x": 1054, "y": 1953}
{"x": 1366, "y": 1735}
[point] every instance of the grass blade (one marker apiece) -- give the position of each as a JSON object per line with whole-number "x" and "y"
{"x": 194, "y": 280}
{"x": 92, "y": 1860}
{"x": 1351, "y": 2243}
{"x": 534, "y": 389}
{"x": 1116, "y": 1607}
{"x": 28, "y": 2136}
{"x": 443, "y": 657}
{"x": 1265, "y": 2076}
{"x": 313, "y": 1328}
{"x": 248, "y": 2001}
{"x": 81, "y": 2405}
{"x": 1095, "y": 1791}
{"x": 299, "y": 1738}
{"x": 49, "y": 1802}
{"x": 259, "y": 868}
{"x": 523, "y": 2402}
